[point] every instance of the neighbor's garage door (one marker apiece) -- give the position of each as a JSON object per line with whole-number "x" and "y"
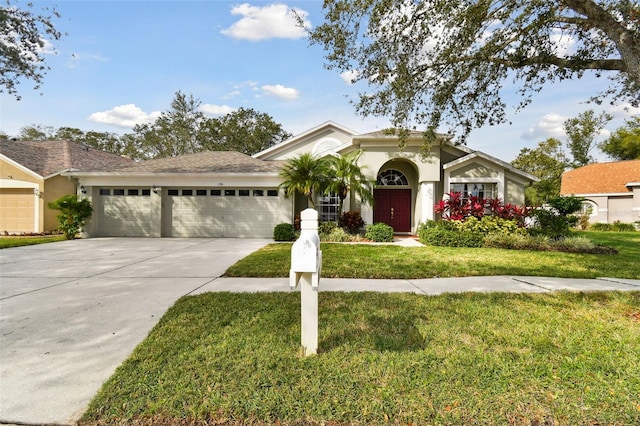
{"x": 232, "y": 212}
{"x": 124, "y": 212}
{"x": 17, "y": 210}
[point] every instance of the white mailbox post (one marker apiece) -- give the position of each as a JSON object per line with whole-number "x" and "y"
{"x": 306, "y": 264}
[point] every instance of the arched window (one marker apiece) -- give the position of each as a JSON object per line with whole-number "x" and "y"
{"x": 392, "y": 178}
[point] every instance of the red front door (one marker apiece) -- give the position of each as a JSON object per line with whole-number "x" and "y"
{"x": 393, "y": 207}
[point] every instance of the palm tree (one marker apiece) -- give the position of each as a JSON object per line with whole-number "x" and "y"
{"x": 347, "y": 176}
{"x": 304, "y": 174}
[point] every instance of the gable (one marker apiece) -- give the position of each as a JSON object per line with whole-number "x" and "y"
{"x": 318, "y": 141}
{"x": 474, "y": 170}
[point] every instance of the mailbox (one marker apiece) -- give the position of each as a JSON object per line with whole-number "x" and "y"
{"x": 304, "y": 254}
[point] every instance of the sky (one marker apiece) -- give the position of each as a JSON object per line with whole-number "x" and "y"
{"x": 121, "y": 62}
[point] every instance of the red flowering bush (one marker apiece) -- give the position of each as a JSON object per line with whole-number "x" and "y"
{"x": 455, "y": 207}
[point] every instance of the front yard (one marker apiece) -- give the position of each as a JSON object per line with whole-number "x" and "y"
{"x": 380, "y": 261}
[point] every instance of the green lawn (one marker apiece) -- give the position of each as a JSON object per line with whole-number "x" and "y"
{"x": 380, "y": 261}
{"x": 498, "y": 359}
{"x": 18, "y": 241}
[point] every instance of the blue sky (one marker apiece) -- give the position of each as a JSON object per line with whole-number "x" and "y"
{"x": 122, "y": 62}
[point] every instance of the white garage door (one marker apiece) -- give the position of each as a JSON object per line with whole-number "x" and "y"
{"x": 124, "y": 212}
{"x": 229, "y": 212}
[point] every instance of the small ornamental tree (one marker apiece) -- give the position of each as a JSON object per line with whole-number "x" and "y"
{"x": 73, "y": 213}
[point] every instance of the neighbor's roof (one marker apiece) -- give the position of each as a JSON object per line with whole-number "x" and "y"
{"x": 203, "y": 162}
{"x": 50, "y": 157}
{"x": 601, "y": 178}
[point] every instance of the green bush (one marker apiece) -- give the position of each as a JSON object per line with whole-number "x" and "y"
{"x": 441, "y": 236}
{"x": 543, "y": 243}
{"x": 73, "y": 213}
{"x": 489, "y": 224}
{"x": 284, "y": 232}
{"x": 379, "y": 232}
{"x": 616, "y": 226}
{"x": 338, "y": 235}
{"x": 325, "y": 228}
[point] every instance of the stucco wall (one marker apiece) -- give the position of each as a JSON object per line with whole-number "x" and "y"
{"x": 55, "y": 188}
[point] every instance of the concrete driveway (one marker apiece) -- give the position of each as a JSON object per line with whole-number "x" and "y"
{"x": 71, "y": 312}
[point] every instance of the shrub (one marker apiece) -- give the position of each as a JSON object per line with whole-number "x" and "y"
{"x": 325, "y": 228}
{"x": 490, "y": 224}
{"x": 380, "y": 232}
{"x": 600, "y": 227}
{"x": 543, "y": 243}
{"x": 351, "y": 221}
{"x": 73, "y": 213}
{"x": 622, "y": 227}
{"x": 439, "y": 235}
{"x": 284, "y": 232}
{"x": 338, "y": 235}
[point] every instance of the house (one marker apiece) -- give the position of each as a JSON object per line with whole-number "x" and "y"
{"x": 611, "y": 190}
{"x": 31, "y": 176}
{"x": 229, "y": 194}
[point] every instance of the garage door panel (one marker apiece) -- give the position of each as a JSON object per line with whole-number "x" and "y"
{"x": 225, "y": 216}
{"x": 125, "y": 216}
{"x": 18, "y": 209}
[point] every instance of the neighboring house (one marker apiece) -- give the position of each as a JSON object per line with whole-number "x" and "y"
{"x": 31, "y": 177}
{"x": 611, "y": 190}
{"x": 229, "y": 194}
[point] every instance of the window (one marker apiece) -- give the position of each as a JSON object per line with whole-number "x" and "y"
{"x": 105, "y": 191}
{"x": 146, "y": 192}
{"x": 201, "y": 192}
{"x": 392, "y": 178}
{"x": 173, "y": 192}
{"x": 481, "y": 190}
{"x": 118, "y": 192}
{"x": 589, "y": 208}
{"x": 272, "y": 193}
{"x": 243, "y": 192}
{"x": 216, "y": 192}
{"x": 135, "y": 192}
{"x": 258, "y": 193}
{"x": 327, "y": 206}
{"x": 187, "y": 192}
{"x": 229, "y": 192}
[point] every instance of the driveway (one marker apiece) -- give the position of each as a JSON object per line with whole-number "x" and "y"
{"x": 71, "y": 312}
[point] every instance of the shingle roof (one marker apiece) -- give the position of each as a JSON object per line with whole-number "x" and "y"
{"x": 204, "y": 162}
{"x": 601, "y": 178}
{"x": 49, "y": 157}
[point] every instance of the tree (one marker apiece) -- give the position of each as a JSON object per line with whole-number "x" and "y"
{"x": 305, "y": 174}
{"x": 445, "y": 63}
{"x": 347, "y": 177}
{"x": 547, "y": 162}
{"x": 581, "y": 133}
{"x": 244, "y": 130}
{"x": 37, "y": 132}
{"x": 175, "y": 132}
{"x": 23, "y": 46}
{"x": 624, "y": 143}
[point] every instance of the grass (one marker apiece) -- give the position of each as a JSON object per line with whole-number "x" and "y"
{"x": 386, "y": 261}
{"x": 512, "y": 359}
{"x": 18, "y": 241}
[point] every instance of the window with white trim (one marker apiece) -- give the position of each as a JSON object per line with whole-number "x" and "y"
{"x": 327, "y": 206}
{"x": 392, "y": 178}
{"x": 481, "y": 190}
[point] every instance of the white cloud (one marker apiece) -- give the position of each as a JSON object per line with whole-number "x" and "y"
{"x": 349, "y": 77}
{"x": 279, "y": 91}
{"x": 216, "y": 110}
{"x": 124, "y": 116}
{"x": 232, "y": 94}
{"x": 550, "y": 126}
{"x": 272, "y": 21}
{"x": 624, "y": 110}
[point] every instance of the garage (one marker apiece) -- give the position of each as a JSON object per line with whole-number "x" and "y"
{"x": 123, "y": 212}
{"x": 228, "y": 212}
{"x": 18, "y": 207}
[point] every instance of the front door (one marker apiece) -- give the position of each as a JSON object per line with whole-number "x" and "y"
{"x": 393, "y": 207}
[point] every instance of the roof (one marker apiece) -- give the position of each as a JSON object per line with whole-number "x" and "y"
{"x": 478, "y": 154}
{"x": 50, "y": 157}
{"x": 203, "y": 162}
{"x": 601, "y": 178}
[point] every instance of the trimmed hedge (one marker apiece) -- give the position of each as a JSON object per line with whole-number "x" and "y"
{"x": 284, "y": 232}
{"x": 380, "y": 233}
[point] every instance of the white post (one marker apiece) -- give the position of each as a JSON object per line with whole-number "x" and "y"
{"x": 306, "y": 265}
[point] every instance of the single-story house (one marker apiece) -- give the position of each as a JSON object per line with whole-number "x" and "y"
{"x": 229, "y": 194}
{"x": 611, "y": 190}
{"x": 31, "y": 176}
